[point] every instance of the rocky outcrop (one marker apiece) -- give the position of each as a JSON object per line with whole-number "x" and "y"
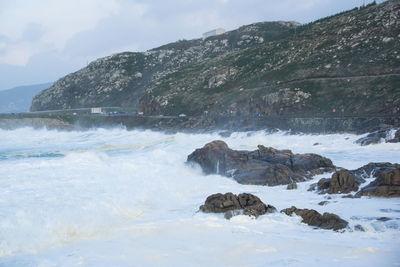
{"x": 372, "y": 169}
{"x": 396, "y": 138}
{"x": 265, "y": 166}
{"x": 231, "y": 204}
{"x": 342, "y": 182}
{"x": 311, "y": 217}
{"x": 380, "y": 137}
{"x": 387, "y": 184}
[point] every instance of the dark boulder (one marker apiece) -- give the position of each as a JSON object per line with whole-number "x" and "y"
{"x": 386, "y": 184}
{"x": 341, "y": 182}
{"x": 264, "y": 166}
{"x": 373, "y": 138}
{"x": 379, "y": 137}
{"x": 373, "y": 168}
{"x": 327, "y": 221}
{"x": 396, "y": 138}
{"x": 323, "y": 203}
{"x": 232, "y": 204}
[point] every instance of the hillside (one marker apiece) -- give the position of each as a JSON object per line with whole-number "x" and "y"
{"x": 19, "y": 99}
{"x": 121, "y": 79}
{"x": 348, "y": 63}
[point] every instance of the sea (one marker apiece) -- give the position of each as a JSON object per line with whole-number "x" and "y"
{"x": 113, "y": 197}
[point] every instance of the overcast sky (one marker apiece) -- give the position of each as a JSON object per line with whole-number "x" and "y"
{"x": 43, "y": 40}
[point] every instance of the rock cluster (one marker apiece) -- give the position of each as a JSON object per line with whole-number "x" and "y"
{"x": 311, "y": 217}
{"x": 386, "y": 183}
{"x": 265, "y": 166}
{"x": 379, "y": 137}
{"x": 231, "y": 204}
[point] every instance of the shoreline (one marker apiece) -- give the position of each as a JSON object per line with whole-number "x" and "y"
{"x": 296, "y": 124}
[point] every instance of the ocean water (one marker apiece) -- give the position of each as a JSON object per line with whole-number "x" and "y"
{"x": 112, "y": 197}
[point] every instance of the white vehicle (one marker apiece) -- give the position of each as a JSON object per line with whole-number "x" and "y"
{"x": 182, "y": 115}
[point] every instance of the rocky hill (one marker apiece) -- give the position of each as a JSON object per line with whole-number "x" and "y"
{"x": 348, "y": 63}
{"x": 121, "y": 79}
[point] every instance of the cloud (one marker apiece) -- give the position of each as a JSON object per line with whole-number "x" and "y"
{"x": 33, "y": 26}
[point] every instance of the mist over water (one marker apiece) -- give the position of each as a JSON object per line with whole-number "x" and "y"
{"x": 111, "y": 197}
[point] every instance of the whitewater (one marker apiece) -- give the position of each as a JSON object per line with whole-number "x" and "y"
{"x": 112, "y": 197}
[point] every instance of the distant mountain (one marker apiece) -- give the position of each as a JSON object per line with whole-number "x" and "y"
{"x": 348, "y": 63}
{"x": 19, "y": 99}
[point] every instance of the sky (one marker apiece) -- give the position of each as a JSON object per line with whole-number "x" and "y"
{"x": 44, "y": 40}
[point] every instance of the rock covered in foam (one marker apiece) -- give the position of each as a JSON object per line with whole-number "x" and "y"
{"x": 312, "y": 217}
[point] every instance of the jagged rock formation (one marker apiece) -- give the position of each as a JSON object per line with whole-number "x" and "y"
{"x": 342, "y": 182}
{"x": 327, "y": 221}
{"x": 388, "y": 136}
{"x": 386, "y": 183}
{"x": 264, "y": 166}
{"x": 232, "y": 204}
{"x": 265, "y": 68}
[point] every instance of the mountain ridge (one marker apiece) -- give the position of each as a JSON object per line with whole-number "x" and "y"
{"x": 268, "y": 68}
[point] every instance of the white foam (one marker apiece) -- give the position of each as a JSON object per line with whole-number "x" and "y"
{"x": 117, "y": 197}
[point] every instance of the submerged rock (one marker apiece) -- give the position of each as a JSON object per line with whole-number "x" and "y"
{"x": 232, "y": 204}
{"x": 265, "y": 166}
{"x": 327, "y": 221}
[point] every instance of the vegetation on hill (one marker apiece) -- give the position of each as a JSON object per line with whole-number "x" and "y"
{"x": 348, "y": 63}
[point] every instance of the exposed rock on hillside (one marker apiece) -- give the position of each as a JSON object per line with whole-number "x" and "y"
{"x": 277, "y": 68}
{"x": 121, "y": 79}
{"x": 265, "y": 166}
{"x": 303, "y": 73}
{"x": 327, "y": 221}
{"x": 232, "y": 204}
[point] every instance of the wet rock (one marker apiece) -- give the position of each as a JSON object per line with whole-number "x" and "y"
{"x": 387, "y": 183}
{"x": 358, "y": 227}
{"x": 383, "y": 219}
{"x": 323, "y": 184}
{"x": 313, "y": 187}
{"x": 396, "y": 138}
{"x": 225, "y": 134}
{"x": 311, "y": 217}
{"x": 231, "y": 204}
{"x": 342, "y": 182}
{"x": 323, "y": 203}
{"x": 291, "y": 186}
{"x": 316, "y": 144}
{"x": 265, "y": 166}
{"x": 373, "y": 138}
